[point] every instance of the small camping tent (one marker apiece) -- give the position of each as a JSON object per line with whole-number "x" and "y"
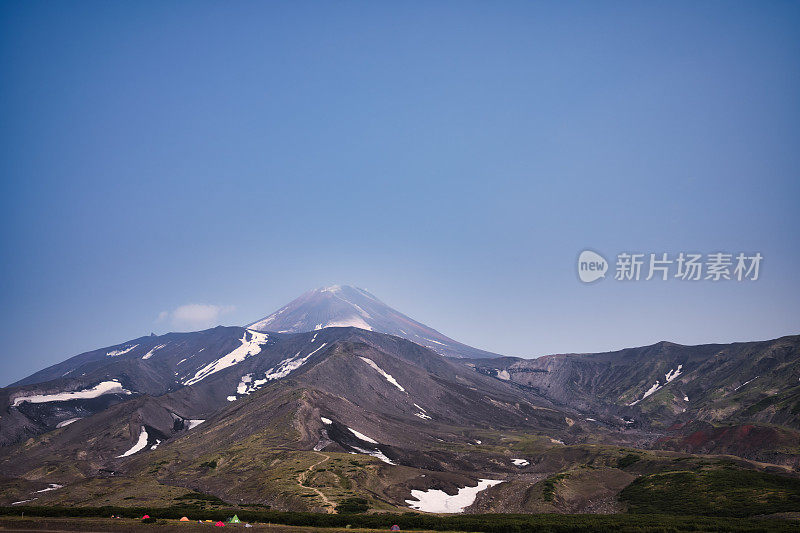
{"x": 219, "y": 524}
{"x": 395, "y": 528}
{"x": 234, "y": 520}
{"x": 184, "y": 519}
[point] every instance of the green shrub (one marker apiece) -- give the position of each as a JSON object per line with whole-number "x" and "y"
{"x": 483, "y": 523}
{"x": 201, "y": 497}
{"x": 352, "y": 506}
{"x": 722, "y": 491}
{"x": 628, "y": 460}
{"x": 549, "y": 486}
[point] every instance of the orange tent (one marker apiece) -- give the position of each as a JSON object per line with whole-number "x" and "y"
{"x": 184, "y": 519}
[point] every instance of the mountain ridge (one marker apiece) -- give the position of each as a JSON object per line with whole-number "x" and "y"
{"x": 344, "y": 305}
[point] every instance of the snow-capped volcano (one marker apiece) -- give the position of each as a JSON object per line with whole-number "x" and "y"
{"x": 343, "y": 306}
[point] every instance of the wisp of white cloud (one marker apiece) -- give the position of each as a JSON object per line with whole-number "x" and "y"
{"x": 192, "y": 317}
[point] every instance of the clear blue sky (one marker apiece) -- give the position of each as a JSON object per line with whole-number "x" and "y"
{"x": 451, "y": 157}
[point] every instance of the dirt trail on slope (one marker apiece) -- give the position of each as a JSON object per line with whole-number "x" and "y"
{"x": 329, "y": 505}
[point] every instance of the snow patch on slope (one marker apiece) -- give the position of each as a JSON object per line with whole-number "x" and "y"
{"x": 241, "y": 388}
{"x": 105, "y": 387}
{"x": 438, "y": 501}
{"x": 65, "y": 423}
{"x": 374, "y": 453}
{"x": 362, "y": 436}
{"x": 52, "y": 486}
{"x": 672, "y": 374}
{"x": 423, "y": 414}
{"x": 348, "y": 322}
{"x": 386, "y": 375}
{"x": 149, "y": 354}
{"x": 745, "y": 383}
{"x": 140, "y": 445}
{"x": 121, "y": 351}
{"x": 287, "y": 366}
{"x": 248, "y": 385}
{"x": 247, "y": 349}
{"x": 669, "y": 377}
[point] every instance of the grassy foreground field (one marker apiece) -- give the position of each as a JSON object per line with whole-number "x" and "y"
{"x": 127, "y": 525}
{"x": 91, "y": 519}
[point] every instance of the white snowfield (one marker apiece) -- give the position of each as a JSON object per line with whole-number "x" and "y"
{"x": 520, "y": 462}
{"x": 438, "y": 501}
{"x": 668, "y": 377}
{"x": 105, "y": 387}
{"x": 248, "y": 348}
{"x": 386, "y": 375}
{"x": 362, "y": 436}
{"x": 241, "y": 388}
{"x": 423, "y": 414}
{"x": 121, "y": 351}
{"x": 326, "y": 421}
{"x": 194, "y": 423}
{"x": 67, "y": 422}
{"x": 52, "y": 486}
{"x": 149, "y": 354}
{"x": 140, "y": 445}
{"x": 376, "y": 454}
{"x": 672, "y": 374}
{"x": 287, "y": 366}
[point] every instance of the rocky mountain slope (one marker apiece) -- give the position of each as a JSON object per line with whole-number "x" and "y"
{"x": 302, "y": 420}
{"x": 653, "y": 388}
{"x": 338, "y": 391}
